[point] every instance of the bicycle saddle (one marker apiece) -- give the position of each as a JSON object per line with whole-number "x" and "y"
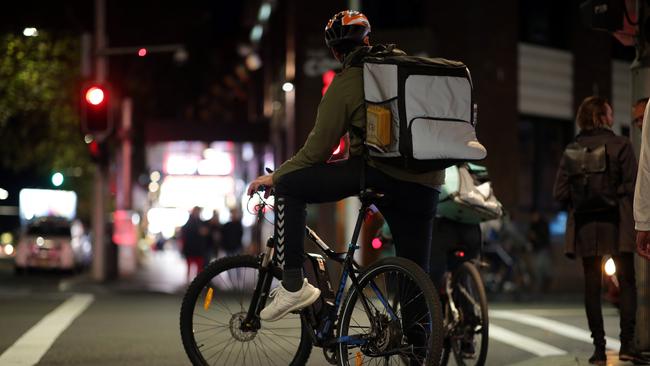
{"x": 370, "y": 195}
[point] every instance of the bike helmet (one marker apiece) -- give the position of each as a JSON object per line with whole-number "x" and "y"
{"x": 348, "y": 25}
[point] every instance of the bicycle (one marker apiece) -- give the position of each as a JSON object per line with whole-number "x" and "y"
{"x": 466, "y": 321}
{"x": 391, "y": 312}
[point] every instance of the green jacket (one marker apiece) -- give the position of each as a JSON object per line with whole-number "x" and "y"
{"x": 343, "y": 109}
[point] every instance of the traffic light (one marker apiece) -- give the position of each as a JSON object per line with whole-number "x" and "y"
{"x": 57, "y": 179}
{"x": 98, "y": 151}
{"x": 96, "y": 113}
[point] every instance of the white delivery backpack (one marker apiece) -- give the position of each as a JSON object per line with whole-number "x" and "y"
{"x": 420, "y": 112}
{"x": 466, "y": 199}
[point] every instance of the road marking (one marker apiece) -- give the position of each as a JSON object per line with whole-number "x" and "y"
{"x": 522, "y": 342}
{"x": 553, "y": 326}
{"x": 31, "y": 346}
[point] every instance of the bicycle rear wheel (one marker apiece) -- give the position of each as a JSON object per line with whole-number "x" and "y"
{"x": 398, "y": 286}
{"x": 214, "y": 306}
{"x": 468, "y": 341}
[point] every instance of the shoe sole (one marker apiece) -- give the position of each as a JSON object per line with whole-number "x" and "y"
{"x": 299, "y": 306}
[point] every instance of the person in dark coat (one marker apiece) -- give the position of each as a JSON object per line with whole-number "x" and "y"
{"x": 591, "y": 236}
{"x": 231, "y": 234}
{"x": 194, "y": 238}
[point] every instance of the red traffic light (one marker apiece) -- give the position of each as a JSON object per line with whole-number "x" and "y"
{"x": 95, "y": 95}
{"x": 142, "y": 52}
{"x": 96, "y": 111}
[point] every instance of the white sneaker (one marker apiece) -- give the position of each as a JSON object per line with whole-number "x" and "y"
{"x": 285, "y": 302}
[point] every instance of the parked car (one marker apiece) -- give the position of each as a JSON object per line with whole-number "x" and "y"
{"x": 52, "y": 243}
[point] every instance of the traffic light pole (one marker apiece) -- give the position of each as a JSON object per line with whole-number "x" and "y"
{"x": 99, "y": 264}
{"x": 641, "y": 88}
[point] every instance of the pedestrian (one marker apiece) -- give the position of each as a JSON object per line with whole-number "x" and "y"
{"x": 638, "y": 111}
{"x": 595, "y": 181}
{"x": 232, "y": 233}
{"x": 214, "y": 236}
{"x": 540, "y": 238}
{"x": 193, "y": 236}
{"x": 642, "y": 191}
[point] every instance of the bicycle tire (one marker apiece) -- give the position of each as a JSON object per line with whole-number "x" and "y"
{"x": 430, "y": 297}
{"x": 469, "y": 271}
{"x": 189, "y": 303}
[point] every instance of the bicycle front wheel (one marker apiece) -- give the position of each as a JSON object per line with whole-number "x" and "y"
{"x": 394, "y": 317}
{"x": 468, "y": 341}
{"x": 215, "y": 305}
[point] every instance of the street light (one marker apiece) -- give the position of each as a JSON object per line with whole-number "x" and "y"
{"x": 287, "y": 87}
{"x": 30, "y": 32}
{"x": 3, "y": 194}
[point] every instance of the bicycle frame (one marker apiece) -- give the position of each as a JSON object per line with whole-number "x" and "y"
{"x": 320, "y": 337}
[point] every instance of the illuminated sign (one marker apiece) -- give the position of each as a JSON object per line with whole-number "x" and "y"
{"x": 215, "y": 163}
{"x": 35, "y": 203}
{"x": 189, "y": 191}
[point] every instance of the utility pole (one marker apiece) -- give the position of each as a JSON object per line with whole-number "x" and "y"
{"x": 641, "y": 88}
{"x": 99, "y": 265}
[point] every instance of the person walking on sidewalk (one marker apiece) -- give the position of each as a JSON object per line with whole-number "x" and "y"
{"x": 596, "y": 181}
{"x": 194, "y": 238}
{"x": 642, "y": 190}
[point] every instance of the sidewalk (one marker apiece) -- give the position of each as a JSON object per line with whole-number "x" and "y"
{"x": 159, "y": 272}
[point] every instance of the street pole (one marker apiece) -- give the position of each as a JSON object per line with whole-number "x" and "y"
{"x": 127, "y": 263}
{"x": 641, "y": 88}
{"x": 99, "y": 265}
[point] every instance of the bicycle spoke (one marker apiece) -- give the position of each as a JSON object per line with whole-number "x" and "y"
{"x": 212, "y": 332}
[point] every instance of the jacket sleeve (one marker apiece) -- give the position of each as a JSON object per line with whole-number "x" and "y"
{"x": 561, "y": 187}
{"x": 642, "y": 189}
{"x": 331, "y": 124}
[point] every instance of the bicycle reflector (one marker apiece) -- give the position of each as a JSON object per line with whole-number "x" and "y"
{"x": 208, "y": 298}
{"x": 376, "y": 243}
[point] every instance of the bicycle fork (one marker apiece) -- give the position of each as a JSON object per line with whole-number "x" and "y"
{"x": 455, "y": 314}
{"x": 261, "y": 293}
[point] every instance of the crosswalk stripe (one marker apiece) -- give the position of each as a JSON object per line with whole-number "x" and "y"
{"x": 524, "y": 343}
{"x": 553, "y": 326}
{"x": 31, "y": 346}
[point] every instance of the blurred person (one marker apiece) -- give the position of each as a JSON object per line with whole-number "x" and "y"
{"x": 540, "y": 238}
{"x": 232, "y": 233}
{"x": 193, "y": 236}
{"x": 642, "y": 190}
{"x": 214, "y": 237}
{"x": 308, "y": 178}
{"x": 595, "y": 181}
{"x": 638, "y": 111}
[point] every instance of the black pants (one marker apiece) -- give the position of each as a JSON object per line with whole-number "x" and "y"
{"x": 408, "y": 208}
{"x": 593, "y": 279}
{"x": 450, "y": 235}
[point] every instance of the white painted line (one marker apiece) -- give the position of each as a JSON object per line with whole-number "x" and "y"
{"x": 524, "y": 343}
{"x": 31, "y": 346}
{"x": 553, "y": 326}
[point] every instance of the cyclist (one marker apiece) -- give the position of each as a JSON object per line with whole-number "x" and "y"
{"x": 308, "y": 178}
